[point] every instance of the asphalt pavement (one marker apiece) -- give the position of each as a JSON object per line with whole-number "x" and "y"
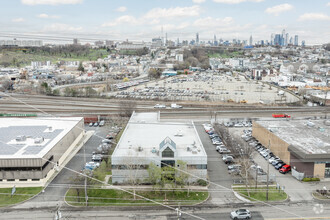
{"x": 220, "y": 180}
{"x": 55, "y": 192}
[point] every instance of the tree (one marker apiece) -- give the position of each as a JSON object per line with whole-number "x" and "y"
{"x": 181, "y": 173}
{"x": 127, "y": 108}
{"x": 155, "y": 174}
{"x": 154, "y": 73}
{"x": 81, "y": 68}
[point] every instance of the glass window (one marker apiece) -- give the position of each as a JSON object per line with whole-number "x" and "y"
{"x": 168, "y": 153}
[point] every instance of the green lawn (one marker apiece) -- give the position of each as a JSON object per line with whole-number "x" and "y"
{"x": 20, "y": 195}
{"x": 111, "y": 197}
{"x": 259, "y": 194}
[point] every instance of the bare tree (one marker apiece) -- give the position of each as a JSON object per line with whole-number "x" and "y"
{"x": 127, "y": 108}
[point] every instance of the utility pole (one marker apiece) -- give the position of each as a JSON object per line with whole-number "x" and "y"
{"x": 268, "y": 173}
{"x": 86, "y": 197}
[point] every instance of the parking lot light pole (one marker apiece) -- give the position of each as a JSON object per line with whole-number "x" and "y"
{"x": 267, "y": 174}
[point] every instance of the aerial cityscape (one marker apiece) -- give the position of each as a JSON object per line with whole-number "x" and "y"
{"x": 192, "y": 109}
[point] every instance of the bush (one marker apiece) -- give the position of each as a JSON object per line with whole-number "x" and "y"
{"x": 307, "y": 179}
{"x": 201, "y": 182}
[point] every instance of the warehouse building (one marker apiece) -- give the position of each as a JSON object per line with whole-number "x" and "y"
{"x": 32, "y": 148}
{"x": 304, "y": 144}
{"x": 147, "y": 140}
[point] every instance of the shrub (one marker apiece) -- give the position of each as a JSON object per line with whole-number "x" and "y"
{"x": 201, "y": 182}
{"x": 307, "y": 179}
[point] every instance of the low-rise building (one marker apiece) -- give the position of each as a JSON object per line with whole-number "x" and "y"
{"x": 147, "y": 140}
{"x": 32, "y": 148}
{"x": 304, "y": 144}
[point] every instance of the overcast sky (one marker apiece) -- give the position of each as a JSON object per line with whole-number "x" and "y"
{"x": 143, "y": 19}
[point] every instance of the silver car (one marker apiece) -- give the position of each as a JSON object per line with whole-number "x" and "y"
{"x": 240, "y": 214}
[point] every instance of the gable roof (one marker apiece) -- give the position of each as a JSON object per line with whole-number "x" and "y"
{"x": 167, "y": 141}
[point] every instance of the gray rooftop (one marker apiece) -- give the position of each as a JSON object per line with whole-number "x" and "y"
{"x": 50, "y": 129}
{"x": 309, "y": 136}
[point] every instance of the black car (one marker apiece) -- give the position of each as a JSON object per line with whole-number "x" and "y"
{"x": 274, "y": 163}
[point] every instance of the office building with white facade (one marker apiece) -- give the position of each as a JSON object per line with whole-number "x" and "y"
{"x": 147, "y": 140}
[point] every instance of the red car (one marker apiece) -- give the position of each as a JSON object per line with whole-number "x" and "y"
{"x": 281, "y": 116}
{"x": 285, "y": 169}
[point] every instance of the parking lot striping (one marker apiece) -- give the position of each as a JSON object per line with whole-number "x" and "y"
{"x": 84, "y": 175}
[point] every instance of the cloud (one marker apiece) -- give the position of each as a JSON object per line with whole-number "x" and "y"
{"x": 198, "y": 1}
{"x": 18, "y": 20}
{"x": 314, "y": 17}
{"x": 51, "y": 2}
{"x": 126, "y": 19}
{"x": 59, "y": 27}
{"x": 47, "y": 16}
{"x": 277, "y": 9}
{"x": 173, "y": 12}
{"x": 236, "y": 1}
{"x": 210, "y": 22}
{"x": 121, "y": 9}
{"x": 171, "y": 27}
{"x": 328, "y": 4}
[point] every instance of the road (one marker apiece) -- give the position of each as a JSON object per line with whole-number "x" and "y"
{"x": 283, "y": 211}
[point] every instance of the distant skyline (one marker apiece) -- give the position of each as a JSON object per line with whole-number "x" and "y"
{"x": 143, "y": 19}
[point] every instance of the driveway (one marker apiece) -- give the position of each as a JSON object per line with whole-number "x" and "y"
{"x": 220, "y": 180}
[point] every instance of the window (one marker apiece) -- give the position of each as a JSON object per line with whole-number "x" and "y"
{"x": 197, "y": 166}
{"x": 168, "y": 153}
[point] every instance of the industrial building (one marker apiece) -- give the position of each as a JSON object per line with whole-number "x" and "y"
{"x": 32, "y": 148}
{"x": 304, "y": 144}
{"x": 147, "y": 140}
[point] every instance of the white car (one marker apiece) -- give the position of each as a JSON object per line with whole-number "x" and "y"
{"x": 159, "y": 106}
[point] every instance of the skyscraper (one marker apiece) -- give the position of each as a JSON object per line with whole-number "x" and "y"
{"x": 272, "y": 39}
{"x": 197, "y": 39}
{"x": 277, "y": 40}
{"x": 251, "y": 41}
{"x": 286, "y": 39}
{"x": 296, "y": 40}
{"x": 291, "y": 41}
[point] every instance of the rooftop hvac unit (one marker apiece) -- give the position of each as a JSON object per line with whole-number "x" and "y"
{"x": 194, "y": 151}
{"x": 154, "y": 150}
{"x": 21, "y": 138}
{"x": 39, "y": 140}
{"x": 140, "y": 148}
{"x": 50, "y": 128}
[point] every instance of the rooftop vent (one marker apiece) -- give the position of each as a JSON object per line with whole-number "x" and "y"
{"x": 39, "y": 140}
{"x": 140, "y": 148}
{"x": 50, "y": 128}
{"x": 194, "y": 151}
{"x": 21, "y": 138}
{"x": 153, "y": 150}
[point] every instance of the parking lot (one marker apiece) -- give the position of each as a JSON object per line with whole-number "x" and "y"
{"x": 296, "y": 190}
{"x": 219, "y": 177}
{"x": 208, "y": 87}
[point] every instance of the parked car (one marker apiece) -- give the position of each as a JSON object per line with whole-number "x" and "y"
{"x": 102, "y": 123}
{"x": 235, "y": 171}
{"x": 279, "y": 165}
{"x": 224, "y": 150}
{"x": 96, "y": 124}
{"x": 274, "y": 163}
{"x": 91, "y": 124}
{"x": 285, "y": 169}
{"x": 240, "y": 214}
{"x": 218, "y": 147}
{"x": 229, "y": 159}
{"x": 234, "y": 166}
{"x": 224, "y": 156}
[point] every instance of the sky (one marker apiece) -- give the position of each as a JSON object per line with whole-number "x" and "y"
{"x": 138, "y": 20}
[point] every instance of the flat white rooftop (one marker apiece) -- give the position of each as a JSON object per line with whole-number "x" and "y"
{"x": 52, "y": 130}
{"x": 146, "y": 131}
{"x": 311, "y": 137}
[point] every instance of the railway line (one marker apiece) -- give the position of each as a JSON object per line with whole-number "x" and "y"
{"x": 21, "y": 103}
